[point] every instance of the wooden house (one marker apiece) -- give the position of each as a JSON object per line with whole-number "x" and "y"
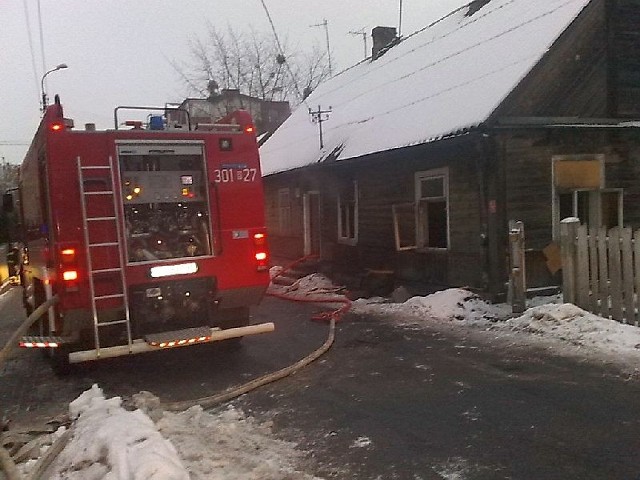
{"x": 502, "y": 110}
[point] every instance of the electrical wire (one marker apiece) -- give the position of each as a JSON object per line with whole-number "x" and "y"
{"x": 281, "y": 51}
{"x": 432, "y": 64}
{"x": 33, "y": 56}
{"x": 44, "y": 63}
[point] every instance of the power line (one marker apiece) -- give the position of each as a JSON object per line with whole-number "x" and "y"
{"x": 435, "y": 63}
{"x": 44, "y": 63}
{"x": 33, "y": 56}
{"x": 281, "y": 51}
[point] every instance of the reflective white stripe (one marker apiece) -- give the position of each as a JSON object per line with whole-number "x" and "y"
{"x": 168, "y": 270}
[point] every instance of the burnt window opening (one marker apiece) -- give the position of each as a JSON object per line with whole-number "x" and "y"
{"x": 348, "y": 215}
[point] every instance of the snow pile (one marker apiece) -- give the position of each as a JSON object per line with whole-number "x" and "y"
{"x": 566, "y": 328}
{"x": 230, "y": 445}
{"x": 451, "y": 304}
{"x": 574, "y": 325}
{"x": 109, "y": 442}
{"x": 314, "y": 285}
{"x": 311, "y": 284}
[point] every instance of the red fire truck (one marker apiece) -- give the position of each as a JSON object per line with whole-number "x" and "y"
{"x": 150, "y": 236}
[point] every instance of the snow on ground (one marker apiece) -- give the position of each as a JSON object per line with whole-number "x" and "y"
{"x": 110, "y": 442}
{"x": 564, "y": 329}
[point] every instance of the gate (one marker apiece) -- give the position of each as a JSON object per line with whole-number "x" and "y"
{"x": 601, "y": 269}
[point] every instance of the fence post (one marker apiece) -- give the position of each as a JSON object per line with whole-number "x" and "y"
{"x": 517, "y": 273}
{"x": 568, "y": 230}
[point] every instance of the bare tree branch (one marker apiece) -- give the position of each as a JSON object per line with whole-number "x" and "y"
{"x": 253, "y": 64}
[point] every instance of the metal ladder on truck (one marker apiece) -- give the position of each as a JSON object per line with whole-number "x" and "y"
{"x": 105, "y": 179}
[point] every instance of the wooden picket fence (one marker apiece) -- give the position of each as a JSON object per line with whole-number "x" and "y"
{"x": 601, "y": 270}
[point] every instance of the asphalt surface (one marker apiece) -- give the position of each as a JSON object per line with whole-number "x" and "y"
{"x": 386, "y": 402}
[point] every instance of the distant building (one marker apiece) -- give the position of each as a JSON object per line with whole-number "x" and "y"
{"x": 267, "y": 115}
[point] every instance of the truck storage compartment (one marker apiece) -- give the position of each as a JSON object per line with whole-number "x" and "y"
{"x": 165, "y": 202}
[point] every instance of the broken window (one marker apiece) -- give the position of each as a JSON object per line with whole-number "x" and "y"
{"x": 424, "y": 223}
{"x": 595, "y": 208}
{"x": 432, "y": 199}
{"x": 578, "y": 182}
{"x": 348, "y": 215}
{"x": 404, "y": 224}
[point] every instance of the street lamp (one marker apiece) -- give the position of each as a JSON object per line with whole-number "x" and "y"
{"x": 44, "y": 95}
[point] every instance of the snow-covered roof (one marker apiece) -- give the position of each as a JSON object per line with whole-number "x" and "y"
{"x": 443, "y": 79}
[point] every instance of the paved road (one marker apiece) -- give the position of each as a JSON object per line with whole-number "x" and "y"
{"x": 387, "y": 402}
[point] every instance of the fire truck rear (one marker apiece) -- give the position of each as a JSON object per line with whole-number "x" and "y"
{"x": 150, "y": 236}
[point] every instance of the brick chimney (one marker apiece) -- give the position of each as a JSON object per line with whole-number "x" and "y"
{"x": 382, "y": 36}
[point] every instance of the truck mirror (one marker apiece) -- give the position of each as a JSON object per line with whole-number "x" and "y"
{"x": 7, "y": 203}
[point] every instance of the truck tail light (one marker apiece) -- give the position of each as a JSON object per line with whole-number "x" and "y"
{"x": 68, "y": 256}
{"x": 261, "y": 251}
{"x": 70, "y": 275}
{"x": 250, "y": 128}
{"x": 56, "y": 126}
{"x": 60, "y": 125}
{"x": 69, "y": 268}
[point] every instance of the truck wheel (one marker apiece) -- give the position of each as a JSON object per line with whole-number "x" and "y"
{"x": 60, "y": 361}
{"x": 233, "y": 318}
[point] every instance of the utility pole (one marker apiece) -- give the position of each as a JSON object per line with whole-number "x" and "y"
{"x": 400, "y": 21}
{"x": 319, "y": 116}
{"x": 362, "y": 32}
{"x": 325, "y": 24}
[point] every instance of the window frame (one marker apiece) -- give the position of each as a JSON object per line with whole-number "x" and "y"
{"x": 422, "y": 233}
{"x": 594, "y": 196}
{"x": 348, "y": 238}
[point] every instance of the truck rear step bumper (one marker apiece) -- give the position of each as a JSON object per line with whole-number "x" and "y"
{"x": 180, "y": 338}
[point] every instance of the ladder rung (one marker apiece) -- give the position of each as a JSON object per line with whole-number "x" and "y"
{"x": 107, "y": 270}
{"x": 95, "y": 167}
{"x": 115, "y": 322}
{"x": 101, "y": 192}
{"x": 106, "y": 297}
{"x": 94, "y": 219}
{"x": 106, "y": 244}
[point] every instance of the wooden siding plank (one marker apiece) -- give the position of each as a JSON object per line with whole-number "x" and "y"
{"x": 627, "y": 275}
{"x": 604, "y": 272}
{"x": 615, "y": 274}
{"x": 636, "y": 263}
{"x": 593, "y": 268}
{"x": 582, "y": 268}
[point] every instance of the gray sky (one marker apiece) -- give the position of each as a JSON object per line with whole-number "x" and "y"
{"x": 119, "y": 51}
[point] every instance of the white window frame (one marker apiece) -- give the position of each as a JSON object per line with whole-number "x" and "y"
{"x": 348, "y": 238}
{"x": 421, "y": 229}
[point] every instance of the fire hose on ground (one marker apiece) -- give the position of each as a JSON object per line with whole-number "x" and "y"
{"x": 6, "y": 462}
{"x": 331, "y": 316}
